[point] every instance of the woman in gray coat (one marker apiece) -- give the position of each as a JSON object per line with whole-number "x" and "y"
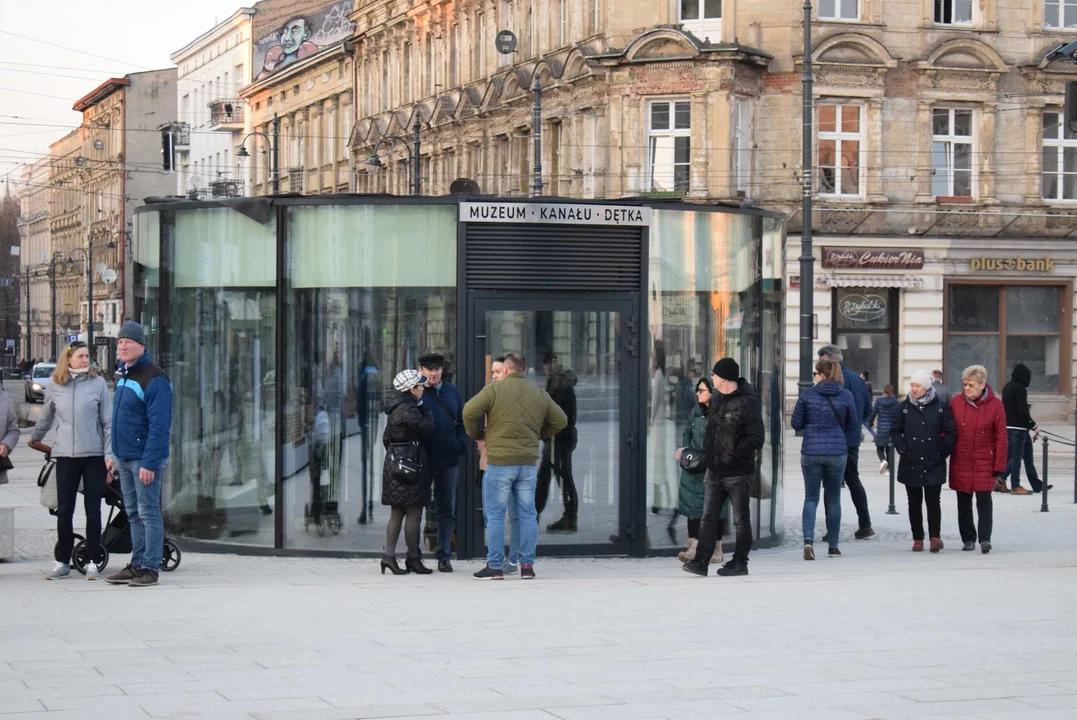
{"x": 10, "y": 429}
{"x": 78, "y": 403}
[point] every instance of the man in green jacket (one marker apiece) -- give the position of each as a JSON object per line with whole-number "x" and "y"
{"x": 518, "y": 416}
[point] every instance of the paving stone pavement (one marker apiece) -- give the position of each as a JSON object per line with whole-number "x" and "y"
{"x": 878, "y": 633}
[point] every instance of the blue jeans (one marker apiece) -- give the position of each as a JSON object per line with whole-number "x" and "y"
{"x": 445, "y": 500}
{"x": 514, "y": 531}
{"x": 1017, "y": 440}
{"x": 827, "y": 470}
{"x": 143, "y": 506}
{"x": 501, "y": 482}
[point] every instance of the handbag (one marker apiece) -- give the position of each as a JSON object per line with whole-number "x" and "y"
{"x": 693, "y": 460}
{"x": 406, "y": 462}
{"x": 48, "y": 496}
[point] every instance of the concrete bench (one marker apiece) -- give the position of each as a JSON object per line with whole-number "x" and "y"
{"x": 7, "y": 533}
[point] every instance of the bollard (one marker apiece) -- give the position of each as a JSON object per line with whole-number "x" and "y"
{"x": 890, "y": 456}
{"x": 1046, "y": 476}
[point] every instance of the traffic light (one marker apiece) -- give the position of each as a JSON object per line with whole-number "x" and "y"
{"x": 1071, "y": 108}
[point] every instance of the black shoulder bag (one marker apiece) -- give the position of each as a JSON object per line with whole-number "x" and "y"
{"x": 693, "y": 460}
{"x": 406, "y": 462}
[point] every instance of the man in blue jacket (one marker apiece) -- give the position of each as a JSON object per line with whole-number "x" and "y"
{"x": 141, "y": 421}
{"x": 862, "y": 400}
{"x": 443, "y": 450}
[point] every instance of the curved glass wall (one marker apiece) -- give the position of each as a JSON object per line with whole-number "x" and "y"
{"x": 369, "y": 289}
{"x": 707, "y": 299}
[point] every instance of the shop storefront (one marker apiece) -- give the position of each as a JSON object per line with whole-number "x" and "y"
{"x": 272, "y": 316}
{"x": 946, "y": 304}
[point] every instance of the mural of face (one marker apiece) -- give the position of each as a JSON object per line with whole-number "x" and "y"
{"x": 293, "y": 35}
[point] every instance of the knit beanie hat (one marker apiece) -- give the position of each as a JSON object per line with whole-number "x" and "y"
{"x": 133, "y": 331}
{"x": 922, "y": 378}
{"x": 727, "y": 369}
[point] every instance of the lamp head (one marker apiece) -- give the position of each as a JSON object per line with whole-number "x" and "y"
{"x": 373, "y": 161}
{"x": 242, "y": 152}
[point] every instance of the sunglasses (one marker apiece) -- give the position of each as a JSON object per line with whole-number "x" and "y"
{"x": 77, "y": 344}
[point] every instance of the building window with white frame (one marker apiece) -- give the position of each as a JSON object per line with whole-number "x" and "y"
{"x": 841, "y": 150}
{"x": 669, "y": 146}
{"x": 1059, "y": 158}
{"x": 703, "y": 18}
{"x": 951, "y": 152}
{"x": 953, "y": 12}
{"x": 838, "y": 10}
{"x": 331, "y": 135}
{"x": 346, "y": 111}
{"x": 1059, "y": 14}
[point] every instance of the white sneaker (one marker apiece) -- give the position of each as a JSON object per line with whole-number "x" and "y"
{"x": 884, "y": 467}
{"x": 59, "y": 571}
{"x": 91, "y": 571}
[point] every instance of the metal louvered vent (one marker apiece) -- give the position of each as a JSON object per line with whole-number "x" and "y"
{"x": 558, "y": 257}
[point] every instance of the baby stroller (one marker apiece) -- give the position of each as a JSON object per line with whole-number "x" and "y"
{"x": 116, "y": 533}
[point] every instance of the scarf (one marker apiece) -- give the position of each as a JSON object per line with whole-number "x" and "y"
{"x": 928, "y": 397}
{"x": 983, "y": 398}
{"x": 80, "y": 371}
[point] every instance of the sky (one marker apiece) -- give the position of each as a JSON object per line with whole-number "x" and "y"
{"x": 52, "y": 53}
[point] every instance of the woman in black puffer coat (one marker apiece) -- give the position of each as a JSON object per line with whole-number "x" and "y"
{"x": 410, "y": 421}
{"x": 925, "y": 434}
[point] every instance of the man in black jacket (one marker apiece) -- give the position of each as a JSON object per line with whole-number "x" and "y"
{"x": 1019, "y": 423}
{"x": 735, "y": 431}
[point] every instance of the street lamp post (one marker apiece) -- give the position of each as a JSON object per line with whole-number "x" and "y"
{"x": 87, "y": 257}
{"x": 274, "y": 157}
{"x": 413, "y": 151}
{"x": 807, "y": 260}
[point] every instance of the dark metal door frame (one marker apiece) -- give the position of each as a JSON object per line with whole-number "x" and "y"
{"x": 472, "y": 376}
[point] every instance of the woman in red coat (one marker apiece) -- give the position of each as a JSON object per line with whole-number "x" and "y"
{"x": 980, "y": 455}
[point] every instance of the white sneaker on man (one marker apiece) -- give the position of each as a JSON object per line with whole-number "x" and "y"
{"x": 59, "y": 571}
{"x": 92, "y": 572}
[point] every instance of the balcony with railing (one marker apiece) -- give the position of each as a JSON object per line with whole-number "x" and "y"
{"x": 224, "y": 188}
{"x": 181, "y": 133}
{"x": 295, "y": 179}
{"x": 226, "y": 114}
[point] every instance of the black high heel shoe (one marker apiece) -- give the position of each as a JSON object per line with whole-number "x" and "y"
{"x": 391, "y": 565}
{"x": 416, "y": 566}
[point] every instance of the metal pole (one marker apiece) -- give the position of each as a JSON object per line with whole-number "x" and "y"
{"x": 274, "y": 156}
{"x": 89, "y": 297}
{"x": 536, "y": 133}
{"x": 892, "y": 510}
{"x": 416, "y": 129}
{"x": 807, "y": 260}
{"x": 27, "y": 348}
{"x": 52, "y": 283}
{"x": 1043, "y": 481}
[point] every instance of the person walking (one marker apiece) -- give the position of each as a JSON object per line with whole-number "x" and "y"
{"x": 735, "y": 432}
{"x": 862, "y": 404}
{"x": 1019, "y": 424}
{"x": 824, "y": 413}
{"x": 944, "y": 393}
{"x": 979, "y": 458}
{"x": 518, "y": 416}
{"x": 883, "y": 414}
{"x": 406, "y": 474}
{"x": 512, "y": 561}
{"x": 78, "y": 405}
{"x": 444, "y": 447}
{"x": 924, "y": 435}
{"x": 557, "y": 451}
{"x": 691, "y": 493}
{"x": 141, "y": 421}
{"x": 866, "y": 377}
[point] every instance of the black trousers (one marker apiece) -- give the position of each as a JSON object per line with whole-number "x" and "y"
{"x": 917, "y": 495}
{"x": 715, "y": 493}
{"x": 91, "y": 472}
{"x": 557, "y": 461}
{"x": 965, "y": 522}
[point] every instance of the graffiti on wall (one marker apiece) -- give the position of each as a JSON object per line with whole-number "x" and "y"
{"x": 302, "y": 36}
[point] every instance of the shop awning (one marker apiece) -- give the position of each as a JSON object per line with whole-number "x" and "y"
{"x": 899, "y": 281}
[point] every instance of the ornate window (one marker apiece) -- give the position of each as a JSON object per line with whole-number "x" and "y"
{"x": 951, "y": 152}
{"x": 841, "y": 150}
{"x": 669, "y": 145}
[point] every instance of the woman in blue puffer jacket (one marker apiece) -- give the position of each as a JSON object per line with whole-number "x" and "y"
{"x": 885, "y": 414}
{"x": 825, "y": 413}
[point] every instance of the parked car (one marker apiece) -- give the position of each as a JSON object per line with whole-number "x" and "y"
{"x": 40, "y": 377}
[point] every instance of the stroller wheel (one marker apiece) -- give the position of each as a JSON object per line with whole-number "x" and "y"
{"x": 333, "y": 521}
{"x": 321, "y": 528}
{"x": 171, "y": 556}
{"x": 80, "y": 557}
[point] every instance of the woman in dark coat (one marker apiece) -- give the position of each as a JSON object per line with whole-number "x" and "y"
{"x": 690, "y": 495}
{"x": 882, "y": 416}
{"x": 980, "y": 455}
{"x": 924, "y": 434}
{"x": 410, "y": 421}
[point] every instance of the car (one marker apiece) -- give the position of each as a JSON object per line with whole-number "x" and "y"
{"x": 40, "y": 377}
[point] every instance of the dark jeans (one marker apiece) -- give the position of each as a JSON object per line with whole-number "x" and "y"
{"x": 917, "y": 495}
{"x": 1018, "y": 440}
{"x": 716, "y": 491}
{"x": 445, "y": 500}
{"x": 965, "y": 522}
{"x": 1030, "y": 468}
{"x": 825, "y": 470}
{"x": 856, "y": 488}
{"x": 880, "y": 450}
{"x": 317, "y": 466}
{"x": 91, "y": 472}
{"x": 557, "y": 460}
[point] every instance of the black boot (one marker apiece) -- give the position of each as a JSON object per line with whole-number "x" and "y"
{"x": 567, "y": 524}
{"x": 733, "y": 568}
{"x": 392, "y": 566}
{"x": 695, "y": 567}
{"x": 415, "y": 565}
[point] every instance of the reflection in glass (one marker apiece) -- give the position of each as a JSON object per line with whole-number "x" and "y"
{"x": 359, "y": 309}
{"x": 965, "y": 350}
{"x": 973, "y": 308}
{"x": 1041, "y": 353}
{"x": 574, "y": 357}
